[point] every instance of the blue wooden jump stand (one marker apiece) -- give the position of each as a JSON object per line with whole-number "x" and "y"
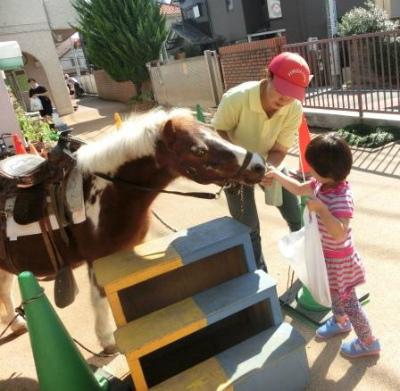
{"x": 193, "y": 313}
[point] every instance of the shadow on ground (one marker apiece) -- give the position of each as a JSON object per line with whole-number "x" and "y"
{"x": 19, "y": 383}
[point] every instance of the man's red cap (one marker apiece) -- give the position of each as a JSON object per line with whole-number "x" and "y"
{"x": 291, "y": 74}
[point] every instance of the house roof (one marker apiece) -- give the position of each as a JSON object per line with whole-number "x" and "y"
{"x": 191, "y": 33}
{"x": 170, "y": 9}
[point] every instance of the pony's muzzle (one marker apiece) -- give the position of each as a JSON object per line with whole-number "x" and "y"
{"x": 257, "y": 164}
{"x": 258, "y": 169}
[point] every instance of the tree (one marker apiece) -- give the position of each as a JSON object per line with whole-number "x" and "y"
{"x": 367, "y": 19}
{"x": 121, "y": 36}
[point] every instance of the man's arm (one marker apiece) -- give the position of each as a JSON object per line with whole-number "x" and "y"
{"x": 224, "y": 134}
{"x": 276, "y": 154}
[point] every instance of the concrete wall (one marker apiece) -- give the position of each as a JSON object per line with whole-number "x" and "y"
{"x": 255, "y": 15}
{"x": 301, "y": 19}
{"x": 230, "y": 25}
{"x": 22, "y": 16}
{"x": 394, "y": 9}
{"x": 344, "y": 6}
{"x": 307, "y": 18}
{"x": 61, "y": 14}
{"x": 9, "y": 123}
{"x": 183, "y": 83}
{"x": 30, "y": 15}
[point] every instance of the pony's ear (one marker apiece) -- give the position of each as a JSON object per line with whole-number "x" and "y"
{"x": 169, "y": 134}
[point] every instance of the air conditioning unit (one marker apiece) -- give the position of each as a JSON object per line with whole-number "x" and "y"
{"x": 10, "y": 56}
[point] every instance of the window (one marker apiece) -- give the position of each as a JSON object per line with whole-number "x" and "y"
{"x": 229, "y": 5}
{"x": 196, "y": 12}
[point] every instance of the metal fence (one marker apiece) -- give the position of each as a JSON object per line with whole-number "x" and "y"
{"x": 358, "y": 73}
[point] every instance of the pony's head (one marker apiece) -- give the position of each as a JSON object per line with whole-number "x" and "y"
{"x": 197, "y": 152}
{"x": 178, "y": 144}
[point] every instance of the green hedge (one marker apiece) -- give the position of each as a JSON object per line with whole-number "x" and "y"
{"x": 366, "y": 136}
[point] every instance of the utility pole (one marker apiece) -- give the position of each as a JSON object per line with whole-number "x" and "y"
{"x": 77, "y": 65}
{"x": 331, "y": 15}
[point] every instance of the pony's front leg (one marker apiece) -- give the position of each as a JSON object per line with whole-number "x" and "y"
{"x": 7, "y": 305}
{"x": 104, "y": 325}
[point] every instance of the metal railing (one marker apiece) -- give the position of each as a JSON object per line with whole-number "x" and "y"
{"x": 358, "y": 73}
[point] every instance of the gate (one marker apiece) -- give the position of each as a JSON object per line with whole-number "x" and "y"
{"x": 188, "y": 82}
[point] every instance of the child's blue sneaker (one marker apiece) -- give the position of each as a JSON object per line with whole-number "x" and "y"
{"x": 356, "y": 349}
{"x": 332, "y": 328}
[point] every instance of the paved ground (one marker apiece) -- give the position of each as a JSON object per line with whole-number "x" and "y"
{"x": 376, "y": 228}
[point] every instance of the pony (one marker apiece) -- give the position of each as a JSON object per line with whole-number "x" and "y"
{"x": 122, "y": 175}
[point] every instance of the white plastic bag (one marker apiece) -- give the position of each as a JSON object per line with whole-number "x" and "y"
{"x": 36, "y": 104}
{"x": 303, "y": 250}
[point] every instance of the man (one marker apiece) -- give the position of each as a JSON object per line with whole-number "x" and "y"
{"x": 264, "y": 117}
{"x": 41, "y": 92}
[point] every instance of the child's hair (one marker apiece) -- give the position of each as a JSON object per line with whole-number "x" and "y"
{"x": 31, "y": 79}
{"x": 329, "y": 156}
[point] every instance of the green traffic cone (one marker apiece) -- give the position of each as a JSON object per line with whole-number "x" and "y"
{"x": 200, "y": 114}
{"x": 307, "y": 301}
{"x": 59, "y": 364}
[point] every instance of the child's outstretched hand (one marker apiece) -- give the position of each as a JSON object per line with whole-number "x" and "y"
{"x": 315, "y": 205}
{"x": 269, "y": 176}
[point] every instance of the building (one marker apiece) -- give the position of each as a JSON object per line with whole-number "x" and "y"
{"x": 392, "y": 7}
{"x": 71, "y": 56}
{"x": 215, "y": 22}
{"x": 173, "y": 43}
{"x": 38, "y": 26}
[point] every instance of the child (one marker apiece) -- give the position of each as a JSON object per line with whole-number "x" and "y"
{"x": 330, "y": 160}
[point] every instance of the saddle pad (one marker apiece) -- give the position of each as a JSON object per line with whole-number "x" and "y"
{"x": 20, "y": 165}
{"x": 74, "y": 200}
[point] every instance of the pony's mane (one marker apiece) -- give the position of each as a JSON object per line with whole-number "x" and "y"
{"x": 134, "y": 140}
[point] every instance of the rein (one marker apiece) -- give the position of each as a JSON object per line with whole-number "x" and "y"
{"x": 195, "y": 194}
{"x": 208, "y": 196}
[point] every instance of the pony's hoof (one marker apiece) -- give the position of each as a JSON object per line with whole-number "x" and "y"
{"x": 110, "y": 349}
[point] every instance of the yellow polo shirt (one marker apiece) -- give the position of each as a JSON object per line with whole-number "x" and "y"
{"x": 240, "y": 113}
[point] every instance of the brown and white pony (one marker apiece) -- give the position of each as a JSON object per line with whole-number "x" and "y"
{"x": 150, "y": 152}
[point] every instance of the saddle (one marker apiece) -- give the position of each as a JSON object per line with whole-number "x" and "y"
{"x": 39, "y": 188}
{"x": 27, "y": 176}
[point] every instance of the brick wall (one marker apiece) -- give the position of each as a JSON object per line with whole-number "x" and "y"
{"x": 247, "y": 61}
{"x": 113, "y": 90}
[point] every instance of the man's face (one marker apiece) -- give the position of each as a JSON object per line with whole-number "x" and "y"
{"x": 33, "y": 83}
{"x": 275, "y": 100}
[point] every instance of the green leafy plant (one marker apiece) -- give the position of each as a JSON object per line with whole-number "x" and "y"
{"x": 121, "y": 36}
{"x": 365, "y": 136}
{"x": 35, "y": 129}
{"x": 367, "y": 19}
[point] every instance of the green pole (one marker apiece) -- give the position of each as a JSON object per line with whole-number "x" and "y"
{"x": 304, "y": 297}
{"x": 200, "y": 114}
{"x": 59, "y": 364}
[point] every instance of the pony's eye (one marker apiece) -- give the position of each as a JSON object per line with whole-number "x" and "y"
{"x": 199, "y": 151}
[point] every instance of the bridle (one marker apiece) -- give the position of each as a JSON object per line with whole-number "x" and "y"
{"x": 195, "y": 194}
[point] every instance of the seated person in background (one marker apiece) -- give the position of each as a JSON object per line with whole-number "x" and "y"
{"x": 72, "y": 84}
